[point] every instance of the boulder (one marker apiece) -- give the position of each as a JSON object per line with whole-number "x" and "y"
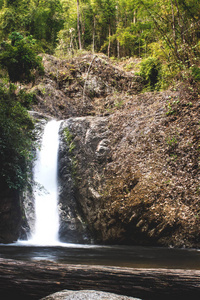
{"x": 86, "y": 295}
{"x": 10, "y": 215}
{"x": 83, "y": 151}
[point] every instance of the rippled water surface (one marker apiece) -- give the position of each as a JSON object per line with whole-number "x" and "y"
{"x": 123, "y": 256}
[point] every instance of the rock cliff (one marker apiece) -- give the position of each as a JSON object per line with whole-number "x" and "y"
{"x": 129, "y": 161}
{"x": 135, "y": 163}
{"x": 136, "y": 173}
{"x": 10, "y": 215}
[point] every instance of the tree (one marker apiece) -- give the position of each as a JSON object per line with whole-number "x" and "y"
{"x": 176, "y": 23}
{"x": 16, "y": 141}
{"x": 42, "y": 19}
{"x": 19, "y": 58}
{"x": 78, "y": 25}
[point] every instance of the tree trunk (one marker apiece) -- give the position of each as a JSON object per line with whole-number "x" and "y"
{"x": 118, "y": 49}
{"x": 117, "y": 23}
{"x": 135, "y": 16}
{"x": 34, "y": 280}
{"x": 180, "y": 23}
{"x": 174, "y": 31}
{"x": 109, "y": 40}
{"x": 78, "y": 25}
{"x": 93, "y": 35}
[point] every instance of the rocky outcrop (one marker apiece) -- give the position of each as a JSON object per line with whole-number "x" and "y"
{"x": 75, "y": 87}
{"x": 10, "y": 215}
{"x": 86, "y": 295}
{"x": 87, "y": 154}
{"x": 134, "y": 163}
{"x": 72, "y": 222}
{"x": 130, "y": 180}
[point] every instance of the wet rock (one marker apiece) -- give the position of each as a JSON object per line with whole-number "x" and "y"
{"x": 86, "y": 295}
{"x": 72, "y": 226}
{"x": 90, "y": 151}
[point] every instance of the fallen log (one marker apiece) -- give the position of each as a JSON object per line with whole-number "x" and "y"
{"x": 36, "y": 279}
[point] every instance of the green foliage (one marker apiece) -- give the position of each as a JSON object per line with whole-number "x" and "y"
{"x": 18, "y": 57}
{"x": 71, "y": 146}
{"x": 69, "y": 140}
{"x": 46, "y": 20}
{"x": 168, "y": 30}
{"x": 150, "y": 71}
{"x": 15, "y": 38}
{"x": 42, "y": 19}
{"x": 68, "y": 136}
{"x": 196, "y": 73}
{"x": 26, "y": 99}
{"x": 172, "y": 142}
{"x": 172, "y": 107}
{"x": 16, "y": 140}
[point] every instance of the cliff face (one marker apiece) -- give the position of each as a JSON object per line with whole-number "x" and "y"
{"x": 10, "y": 215}
{"x": 136, "y": 166}
{"x": 136, "y": 172}
{"x": 87, "y": 151}
{"x": 129, "y": 162}
{"x": 72, "y": 221}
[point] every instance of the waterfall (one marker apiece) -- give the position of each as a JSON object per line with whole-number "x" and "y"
{"x": 45, "y": 194}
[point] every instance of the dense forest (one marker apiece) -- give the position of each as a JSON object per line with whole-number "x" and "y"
{"x": 166, "y": 29}
{"x": 164, "y": 34}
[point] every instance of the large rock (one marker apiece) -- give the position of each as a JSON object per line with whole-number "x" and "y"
{"x": 86, "y": 295}
{"x": 132, "y": 180}
{"x": 72, "y": 222}
{"x": 82, "y": 156}
{"x": 10, "y": 215}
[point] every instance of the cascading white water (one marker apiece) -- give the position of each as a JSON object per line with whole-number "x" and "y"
{"x": 45, "y": 174}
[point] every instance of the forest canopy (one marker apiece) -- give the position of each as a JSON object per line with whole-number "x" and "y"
{"x": 169, "y": 29}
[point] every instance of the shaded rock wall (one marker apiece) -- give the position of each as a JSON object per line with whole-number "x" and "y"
{"x": 10, "y": 215}
{"x": 90, "y": 153}
{"x": 72, "y": 223}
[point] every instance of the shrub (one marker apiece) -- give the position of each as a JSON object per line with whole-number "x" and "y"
{"x": 16, "y": 140}
{"x": 196, "y": 73}
{"x": 19, "y": 58}
{"x": 150, "y": 70}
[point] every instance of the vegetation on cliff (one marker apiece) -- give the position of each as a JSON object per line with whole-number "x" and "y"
{"x": 19, "y": 59}
{"x": 15, "y": 140}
